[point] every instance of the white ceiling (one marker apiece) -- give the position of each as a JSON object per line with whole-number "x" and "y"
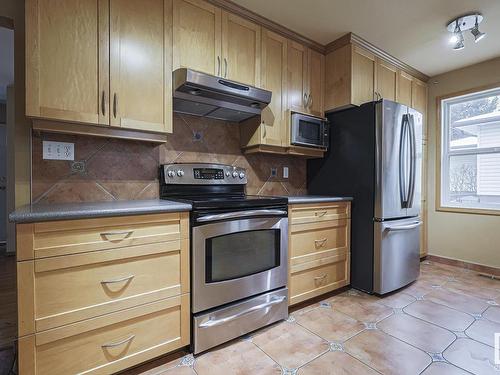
{"x": 6, "y": 60}
{"x": 413, "y": 31}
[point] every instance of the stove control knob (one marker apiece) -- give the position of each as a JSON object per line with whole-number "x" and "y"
{"x": 235, "y": 174}
{"x": 180, "y": 173}
{"x": 170, "y": 173}
{"x": 242, "y": 175}
{"x": 228, "y": 174}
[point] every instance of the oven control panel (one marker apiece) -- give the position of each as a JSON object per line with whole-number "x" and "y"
{"x": 202, "y": 174}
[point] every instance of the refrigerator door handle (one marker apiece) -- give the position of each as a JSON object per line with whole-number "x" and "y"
{"x": 402, "y": 171}
{"x": 413, "y": 162}
{"x": 403, "y": 227}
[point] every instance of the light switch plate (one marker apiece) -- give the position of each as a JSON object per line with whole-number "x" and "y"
{"x": 58, "y": 150}
{"x": 285, "y": 172}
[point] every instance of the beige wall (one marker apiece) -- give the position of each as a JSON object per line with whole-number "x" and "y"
{"x": 468, "y": 237}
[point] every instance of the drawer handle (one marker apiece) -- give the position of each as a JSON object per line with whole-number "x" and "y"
{"x": 319, "y": 214}
{"x": 317, "y": 278}
{"x": 118, "y": 343}
{"x": 320, "y": 242}
{"x": 117, "y": 233}
{"x": 121, "y": 279}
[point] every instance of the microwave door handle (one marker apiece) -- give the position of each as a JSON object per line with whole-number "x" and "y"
{"x": 240, "y": 214}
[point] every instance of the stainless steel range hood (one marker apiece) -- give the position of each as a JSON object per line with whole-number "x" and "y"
{"x": 205, "y": 95}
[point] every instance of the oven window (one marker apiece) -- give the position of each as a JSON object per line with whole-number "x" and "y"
{"x": 309, "y": 131}
{"x": 241, "y": 254}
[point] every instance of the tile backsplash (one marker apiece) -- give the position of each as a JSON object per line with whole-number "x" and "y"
{"x": 114, "y": 169}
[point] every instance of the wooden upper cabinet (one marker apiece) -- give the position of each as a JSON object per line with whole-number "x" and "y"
{"x": 316, "y": 75}
{"x": 298, "y": 94}
{"x": 419, "y": 96}
{"x": 241, "y": 49}
{"x": 363, "y": 76}
{"x": 67, "y": 60}
{"x": 197, "y": 36}
{"x": 386, "y": 80}
{"x": 140, "y": 69}
{"x": 404, "y": 85}
{"x": 274, "y": 78}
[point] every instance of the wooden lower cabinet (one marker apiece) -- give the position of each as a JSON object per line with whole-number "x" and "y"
{"x": 105, "y": 305}
{"x": 319, "y": 249}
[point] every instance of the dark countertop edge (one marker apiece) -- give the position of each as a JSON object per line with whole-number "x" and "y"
{"x": 303, "y": 199}
{"x": 36, "y": 213}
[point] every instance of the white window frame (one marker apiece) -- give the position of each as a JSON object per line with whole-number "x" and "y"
{"x": 446, "y": 154}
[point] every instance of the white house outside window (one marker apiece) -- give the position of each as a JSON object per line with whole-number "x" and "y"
{"x": 470, "y": 151}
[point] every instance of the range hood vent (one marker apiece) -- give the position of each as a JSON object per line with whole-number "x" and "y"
{"x": 201, "y": 94}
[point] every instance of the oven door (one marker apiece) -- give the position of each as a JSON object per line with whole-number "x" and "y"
{"x": 239, "y": 258}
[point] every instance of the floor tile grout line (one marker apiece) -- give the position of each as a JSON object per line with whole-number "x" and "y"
{"x": 265, "y": 353}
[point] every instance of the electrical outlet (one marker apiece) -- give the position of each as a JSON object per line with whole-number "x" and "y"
{"x": 285, "y": 172}
{"x": 274, "y": 172}
{"x": 58, "y": 150}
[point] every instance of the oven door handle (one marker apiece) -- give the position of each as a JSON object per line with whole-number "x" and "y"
{"x": 240, "y": 214}
{"x": 216, "y": 322}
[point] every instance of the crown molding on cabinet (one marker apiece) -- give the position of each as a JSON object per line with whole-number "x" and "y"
{"x": 268, "y": 24}
{"x": 352, "y": 38}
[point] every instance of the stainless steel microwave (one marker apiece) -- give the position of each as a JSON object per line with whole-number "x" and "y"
{"x": 309, "y": 131}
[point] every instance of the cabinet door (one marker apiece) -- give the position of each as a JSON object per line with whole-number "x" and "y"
{"x": 387, "y": 75}
{"x": 404, "y": 88}
{"x": 67, "y": 60}
{"x": 419, "y": 97}
{"x": 140, "y": 78}
{"x": 363, "y": 76}
{"x": 316, "y": 72}
{"x": 274, "y": 62}
{"x": 297, "y": 77}
{"x": 197, "y": 36}
{"x": 241, "y": 48}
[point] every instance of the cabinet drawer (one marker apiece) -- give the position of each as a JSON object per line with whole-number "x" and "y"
{"x": 71, "y": 288}
{"x": 312, "y": 282}
{"x": 313, "y": 213}
{"x": 108, "y": 343}
{"x": 318, "y": 241}
{"x": 48, "y": 239}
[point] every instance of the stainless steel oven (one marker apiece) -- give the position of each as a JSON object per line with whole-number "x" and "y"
{"x": 237, "y": 255}
{"x": 309, "y": 131}
{"x": 239, "y": 273}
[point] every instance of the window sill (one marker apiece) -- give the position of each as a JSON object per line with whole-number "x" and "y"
{"x": 464, "y": 210}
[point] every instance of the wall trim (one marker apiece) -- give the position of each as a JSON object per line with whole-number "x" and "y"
{"x": 351, "y": 38}
{"x": 480, "y": 268}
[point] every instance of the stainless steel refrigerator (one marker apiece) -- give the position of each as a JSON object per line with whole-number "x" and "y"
{"x": 375, "y": 156}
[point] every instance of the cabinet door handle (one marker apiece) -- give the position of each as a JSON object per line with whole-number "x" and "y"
{"x": 310, "y": 101}
{"x": 117, "y": 233}
{"x": 264, "y": 133}
{"x": 115, "y": 104}
{"x": 225, "y": 67}
{"x": 118, "y": 343}
{"x": 119, "y": 280}
{"x": 218, "y": 65}
{"x": 320, "y": 214}
{"x": 103, "y": 103}
{"x": 320, "y": 242}
{"x": 317, "y": 278}
{"x": 305, "y": 100}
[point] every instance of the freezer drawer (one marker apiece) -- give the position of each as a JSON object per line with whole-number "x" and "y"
{"x": 396, "y": 254}
{"x": 226, "y": 323}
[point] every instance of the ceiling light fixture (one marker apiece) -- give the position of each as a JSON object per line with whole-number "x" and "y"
{"x": 463, "y": 23}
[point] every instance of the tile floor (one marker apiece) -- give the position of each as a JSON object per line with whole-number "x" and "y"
{"x": 441, "y": 324}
